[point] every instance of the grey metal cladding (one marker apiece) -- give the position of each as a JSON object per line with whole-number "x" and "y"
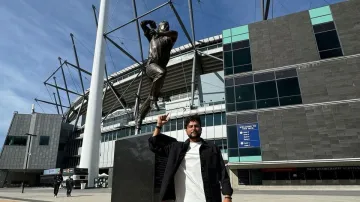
{"x": 319, "y": 132}
{"x": 330, "y": 81}
{"x": 12, "y": 157}
{"x": 348, "y": 25}
{"x": 282, "y": 41}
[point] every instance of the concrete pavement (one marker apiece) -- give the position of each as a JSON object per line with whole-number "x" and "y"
{"x": 252, "y": 194}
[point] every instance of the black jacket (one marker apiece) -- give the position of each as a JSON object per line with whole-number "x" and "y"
{"x": 58, "y": 179}
{"x": 213, "y": 169}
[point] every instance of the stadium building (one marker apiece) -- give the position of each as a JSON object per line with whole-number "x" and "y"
{"x": 283, "y": 105}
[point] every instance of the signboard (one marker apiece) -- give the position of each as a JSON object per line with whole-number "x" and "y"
{"x": 248, "y": 135}
{"x": 54, "y": 171}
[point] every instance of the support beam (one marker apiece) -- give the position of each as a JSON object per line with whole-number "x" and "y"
{"x": 133, "y": 20}
{"x": 193, "y": 72}
{"x": 50, "y": 103}
{"x": 78, "y": 115}
{"x": 137, "y": 99}
{"x": 54, "y": 72}
{"x": 62, "y": 89}
{"x": 182, "y": 24}
{"x": 262, "y": 10}
{"x": 90, "y": 149}
{"x": 57, "y": 90}
{"x": 267, "y": 9}
{"x": 191, "y": 13}
{"x": 57, "y": 107}
{"x": 122, "y": 50}
{"x": 78, "y": 68}
{"x": 64, "y": 78}
{"x": 77, "y": 63}
{"x": 202, "y": 53}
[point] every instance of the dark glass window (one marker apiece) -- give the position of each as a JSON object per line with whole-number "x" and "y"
{"x": 180, "y": 124}
{"x": 228, "y": 60}
{"x": 230, "y": 95}
{"x": 245, "y": 105}
{"x": 217, "y": 119}
{"x": 232, "y": 136}
{"x": 202, "y": 119}
{"x": 173, "y": 124}
{"x": 244, "y": 93}
{"x": 228, "y": 71}
{"x": 331, "y": 53}
{"x": 241, "y": 44}
{"x": 324, "y": 27}
{"x": 267, "y": 103}
{"x": 242, "y": 57}
{"x": 102, "y": 138}
{"x": 293, "y": 100}
{"x": 327, "y": 40}
{"x": 226, "y": 47}
{"x": 209, "y": 119}
{"x": 265, "y": 90}
{"x": 242, "y": 69}
{"x": 233, "y": 152}
{"x": 44, "y": 140}
{"x": 250, "y": 152}
{"x": 16, "y": 140}
{"x": 229, "y": 82}
{"x": 230, "y": 107}
{"x": 243, "y": 80}
{"x": 288, "y": 87}
{"x": 264, "y": 76}
{"x": 223, "y": 117}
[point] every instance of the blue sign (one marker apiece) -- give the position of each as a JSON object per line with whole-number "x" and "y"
{"x": 248, "y": 135}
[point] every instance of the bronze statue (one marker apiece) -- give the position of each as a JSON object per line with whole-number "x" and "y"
{"x": 162, "y": 40}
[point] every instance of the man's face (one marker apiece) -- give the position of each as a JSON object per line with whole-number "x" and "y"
{"x": 163, "y": 27}
{"x": 193, "y": 130}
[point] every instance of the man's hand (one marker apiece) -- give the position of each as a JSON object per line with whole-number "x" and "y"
{"x": 162, "y": 119}
{"x": 153, "y": 24}
{"x": 227, "y": 200}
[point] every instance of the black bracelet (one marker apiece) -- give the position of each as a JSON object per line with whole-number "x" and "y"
{"x": 158, "y": 127}
{"x": 229, "y": 197}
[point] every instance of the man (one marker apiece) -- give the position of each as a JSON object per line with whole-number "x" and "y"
{"x": 161, "y": 41}
{"x": 195, "y": 168}
{"x": 57, "y": 182}
{"x": 69, "y": 186}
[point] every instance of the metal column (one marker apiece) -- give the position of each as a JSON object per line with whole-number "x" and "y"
{"x": 57, "y": 107}
{"x": 92, "y": 134}
{"x": 57, "y": 90}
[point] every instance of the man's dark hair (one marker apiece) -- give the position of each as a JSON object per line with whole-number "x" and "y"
{"x": 192, "y": 118}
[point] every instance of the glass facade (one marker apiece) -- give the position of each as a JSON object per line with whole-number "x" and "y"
{"x": 262, "y": 90}
{"x": 325, "y": 32}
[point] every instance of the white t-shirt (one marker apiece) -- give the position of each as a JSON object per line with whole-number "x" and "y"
{"x": 188, "y": 178}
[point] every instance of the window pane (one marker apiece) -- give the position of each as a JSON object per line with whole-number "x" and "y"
{"x": 232, "y": 136}
{"x": 230, "y": 96}
{"x": 228, "y": 59}
{"x": 217, "y": 119}
{"x": 327, "y": 40}
{"x": 209, "y": 120}
{"x": 226, "y": 47}
{"x": 245, "y": 105}
{"x": 223, "y": 117}
{"x": 202, "y": 119}
{"x": 267, "y": 103}
{"x": 244, "y": 93}
{"x": 16, "y": 140}
{"x": 230, "y": 107}
{"x": 180, "y": 124}
{"x": 233, "y": 152}
{"x": 173, "y": 124}
{"x": 293, "y": 100}
{"x": 288, "y": 87}
{"x": 324, "y": 27}
{"x": 242, "y": 57}
{"x": 331, "y": 53}
{"x": 241, "y": 44}
{"x": 229, "y": 82}
{"x": 228, "y": 71}
{"x": 265, "y": 90}
{"x": 44, "y": 140}
{"x": 242, "y": 69}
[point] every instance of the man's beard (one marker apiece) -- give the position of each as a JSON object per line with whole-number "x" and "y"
{"x": 194, "y": 135}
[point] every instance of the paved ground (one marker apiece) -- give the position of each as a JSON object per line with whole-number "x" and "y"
{"x": 258, "y": 194}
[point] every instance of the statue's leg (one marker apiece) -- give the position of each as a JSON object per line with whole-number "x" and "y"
{"x": 144, "y": 110}
{"x": 158, "y": 74}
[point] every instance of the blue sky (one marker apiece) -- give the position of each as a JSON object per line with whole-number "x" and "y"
{"x": 36, "y": 32}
